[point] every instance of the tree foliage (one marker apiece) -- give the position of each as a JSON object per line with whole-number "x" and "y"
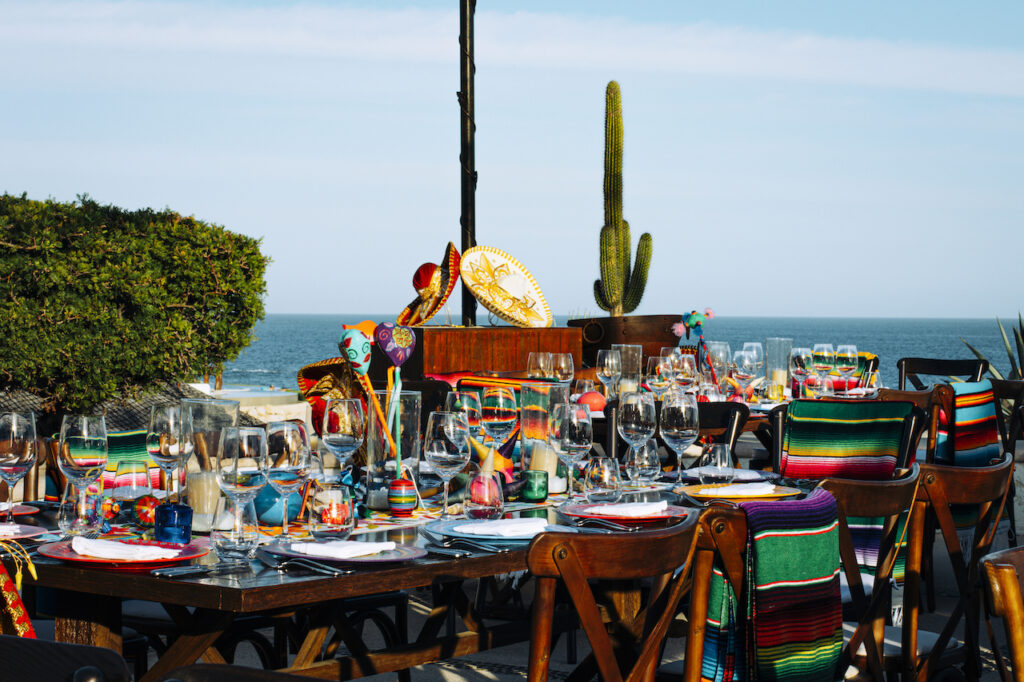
{"x": 98, "y": 302}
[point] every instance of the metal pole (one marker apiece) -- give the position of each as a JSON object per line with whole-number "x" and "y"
{"x": 467, "y": 156}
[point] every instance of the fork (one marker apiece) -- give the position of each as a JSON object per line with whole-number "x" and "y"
{"x": 605, "y": 523}
{"x": 281, "y": 565}
{"x": 472, "y": 544}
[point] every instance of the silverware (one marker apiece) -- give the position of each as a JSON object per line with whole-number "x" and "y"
{"x": 192, "y": 571}
{"x": 605, "y": 523}
{"x": 282, "y": 564}
{"x": 448, "y": 542}
{"x": 447, "y": 551}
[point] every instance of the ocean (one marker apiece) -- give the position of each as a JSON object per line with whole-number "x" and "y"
{"x": 284, "y": 343}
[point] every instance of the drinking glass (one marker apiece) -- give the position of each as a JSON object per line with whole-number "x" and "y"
{"x": 535, "y": 401}
{"x": 609, "y": 369}
{"x": 483, "y": 496}
{"x": 444, "y": 447}
{"x": 331, "y": 511}
{"x": 846, "y": 363}
{"x": 562, "y": 367}
{"x": 131, "y": 480}
{"x": 499, "y": 413}
{"x": 169, "y": 442}
{"x": 343, "y": 429}
{"x": 467, "y": 402}
{"x": 571, "y": 434}
{"x": 17, "y": 451}
{"x": 241, "y": 466}
{"x": 637, "y": 420}
{"x": 660, "y": 375}
{"x": 206, "y": 418}
{"x": 643, "y": 464}
{"x": 680, "y": 422}
{"x": 289, "y": 463}
{"x": 744, "y": 369}
{"x": 538, "y": 365}
{"x": 720, "y": 356}
{"x": 824, "y": 357}
{"x": 686, "y": 371}
{"x": 581, "y": 386}
{"x": 70, "y": 518}
{"x": 757, "y": 350}
{"x": 801, "y": 364}
{"x": 602, "y": 481}
{"x": 82, "y": 455}
{"x": 717, "y": 468}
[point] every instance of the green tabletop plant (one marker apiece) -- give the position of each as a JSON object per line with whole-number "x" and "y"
{"x": 621, "y": 285}
{"x": 98, "y": 302}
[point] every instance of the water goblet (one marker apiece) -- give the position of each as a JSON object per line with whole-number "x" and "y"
{"x": 344, "y": 428}
{"x": 581, "y": 386}
{"x": 824, "y": 357}
{"x": 609, "y": 370}
{"x": 169, "y": 442}
{"x": 643, "y": 464}
{"x": 290, "y": 462}
{"x": 499, "y": 413}
{"x": 131, "y": 480}
{"x": 720, "y": 356}
{"x": 444, "y": 448}
{"x": 660, "y": 375}
{"x": 241, "y": 466}
{"x": 846, "y": 363}
{"x": 17, "y": 451}
{"x": 602, "y": 481}
{"x": 538, "y": 365}
{"x": 82, "y": 455}
{"x": 801, "y": 365}
{"x": 562, "y": 367}
{"x": 637, "y": 419}
{"x": 686, "y": 371}
{"x": 743, "y": 370}
{"x": 756, "y": 349}
{"x": 467, "y": 402}
{"x": 680, "y": 422}
{"x": 717, "y": 468}
{"x": 571, "y": 435}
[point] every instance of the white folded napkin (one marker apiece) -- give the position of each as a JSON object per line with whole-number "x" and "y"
{"x": 9, "y": 529}
{"x": 630, "y": 509}
{"x": 112, "y": 549}
{"x": 506, "y": 528}
{"x": 740, "y": 490}
{"x": 738, "y": 474}
{"x": 341, "y": 549}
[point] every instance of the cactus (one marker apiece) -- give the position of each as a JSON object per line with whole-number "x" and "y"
{"x": 621, "y": 287}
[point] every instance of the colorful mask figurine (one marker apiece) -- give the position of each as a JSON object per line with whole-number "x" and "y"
{"x": 396, "y": 341}
{"x": 355, "y": 346}
{"x": 433, "y": 284}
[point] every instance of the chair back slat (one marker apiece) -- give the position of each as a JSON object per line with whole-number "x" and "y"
{"x": 971, "y": 369}
{"x": 1005, "y": 573}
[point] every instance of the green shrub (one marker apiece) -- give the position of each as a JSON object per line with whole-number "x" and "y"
{"x": 98, "y": 302}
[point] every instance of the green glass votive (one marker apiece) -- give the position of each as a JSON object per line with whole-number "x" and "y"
{"x": 536, "y": 489}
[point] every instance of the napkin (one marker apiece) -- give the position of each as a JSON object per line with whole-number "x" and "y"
{"x": 112, "y": 549}
{"x": 738, "y": 474}
{"x": 341, "y": 549}
{"x": 506, "y": 528}
{"x": 630, "y": 509}
{"x": 740, "y": 490}
{"x": 9, "y": 529}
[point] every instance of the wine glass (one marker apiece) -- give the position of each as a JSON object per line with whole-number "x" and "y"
{"x": 343, "y": 429}
{"x": 169, "y": 441}
{"x": 637, "y": 420}
{"x": 756, "y": 349}
{"x": 846, "y": 363}
{"x": 602, "y": 481}
{"x": 743, "y": 370}
{"x": 241, "y": 466}
{"x": 680, "y": 422}
{"x": 717, "y": 469}
{"x": 444, "y": 448}
{"x": 686, "y": 371}
{"x": 467, "y": 402}
{"x": 801, "y": 364}
{"x": 131, "y": 481}
{"x": 498, "y": 413}
{"x": 660, "y": 375}
{"x": 562, "y": 367}
{"x": 82, "y": 456}
{"x": 577, "y": 435}
{"x": 538, "y": 365}
{"x": 824, "y": 357}
{"x": 560, "y": 419}
{"x": 484, "y": 499}
{"x": 17, "y": 451}
{"x": 581, "y": 386}
{"x": 609, "y": 370}
{"x": 643, "y": 464}
{"x": 720, "y": 356}
{"x": 289, "y": 463}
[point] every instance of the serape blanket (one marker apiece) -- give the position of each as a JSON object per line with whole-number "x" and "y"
{"x": 725, "y": 657}
{"x": 831, "y": 438}
{"x": 975, "y": 432}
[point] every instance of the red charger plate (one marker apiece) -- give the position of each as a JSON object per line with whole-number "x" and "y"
{"x": 62, "y": 550}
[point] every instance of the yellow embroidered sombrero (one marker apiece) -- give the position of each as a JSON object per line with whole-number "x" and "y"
{"x": 434, "y": 284}
{"x": 505, "y": 287}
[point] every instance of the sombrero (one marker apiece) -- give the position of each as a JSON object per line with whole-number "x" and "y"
{"x": 330, "y": 378}
{"x": 434, "y": 284}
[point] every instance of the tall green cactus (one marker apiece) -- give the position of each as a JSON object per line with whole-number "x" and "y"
{"x": 621, "y": 287}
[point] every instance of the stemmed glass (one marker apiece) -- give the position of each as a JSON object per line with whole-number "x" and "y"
{"x": 660, "y": 375}
{"x": 444, "y": 448}
{"x": 680, "y": 422}
{"x": 743, "y": 370}
{"x": 609, "y": 370}
{"x": 499, "y": 413}
{"x": 538, "y": 365}
{"x": 644, "y": 465}
{"x": 824, "y": 357}
{"x": 82, "y": 458}
{"x": 343, "y": 429}
{"x": 637, "y": 423}
{"x": 562, "y": 367}
{"x": 17, "y": 451}
{"x": 720, "y": 356}
{"x": 846, "y": 363}
{"x": 290, "y": 463}
{"x": 756, "y": 349}
{"x": 571, "y": 434}
{"x": 241, "y": 466}
{"x": 467, "y": 402}
{"x": 169, "y": 442}
{"x": 801, "y": 362}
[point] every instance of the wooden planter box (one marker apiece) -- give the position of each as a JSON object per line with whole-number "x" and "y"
{"x": 444, "y": 350}
{"x": 653, "y": 332}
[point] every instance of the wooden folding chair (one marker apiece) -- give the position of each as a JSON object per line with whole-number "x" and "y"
{"x": 931, "y": 401}
{"x": 911, "y": 369}
{"x": 1005, "y": 573}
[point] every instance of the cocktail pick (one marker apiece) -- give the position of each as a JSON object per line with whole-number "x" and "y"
{"x": 355, "y": 346}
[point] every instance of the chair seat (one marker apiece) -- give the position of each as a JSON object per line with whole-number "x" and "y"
{"x": 893, "y": 648}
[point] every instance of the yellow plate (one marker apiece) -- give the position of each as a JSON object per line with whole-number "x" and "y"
{"x": 505, "y": 287}
{"x": 778, "y": 493}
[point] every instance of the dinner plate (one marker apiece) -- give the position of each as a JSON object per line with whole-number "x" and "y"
{"x": 62, "y": 550}
{"x": 20, "y": 510}
{"x": 591, "y": 510}
{"x": 778, "y": 493}
{"x": 25, "y": 532}
{"x": 446, "y": 527}
{"x": 399, "y": 553}
{"x": 505, "y": 287}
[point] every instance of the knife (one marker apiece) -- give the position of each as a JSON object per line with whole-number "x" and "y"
{"x": 200, "y": 570}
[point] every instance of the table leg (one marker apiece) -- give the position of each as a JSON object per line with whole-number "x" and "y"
{"x": 88, "y": 619}
{"x": 199, "y": 630}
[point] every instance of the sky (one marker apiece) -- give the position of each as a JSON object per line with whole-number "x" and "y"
{"x": 788, "y": 158}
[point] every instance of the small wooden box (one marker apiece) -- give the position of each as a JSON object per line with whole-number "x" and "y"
{"x": 444, "y": 350}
